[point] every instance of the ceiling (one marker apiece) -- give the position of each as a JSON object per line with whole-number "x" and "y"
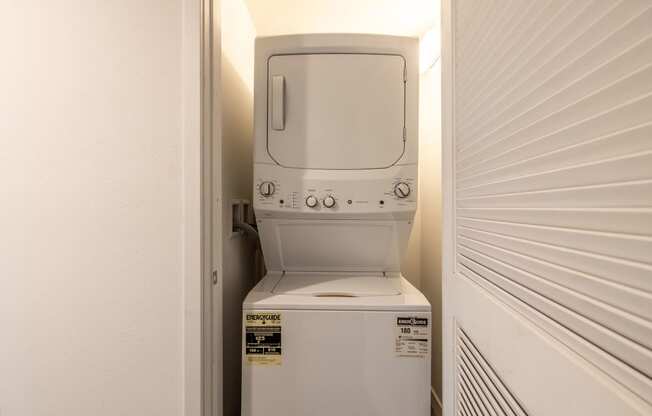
{"x": 391, "y": 17}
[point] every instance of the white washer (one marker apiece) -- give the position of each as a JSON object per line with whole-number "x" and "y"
{"x": 339, "y": 355}
{"x": 334, "y": 329}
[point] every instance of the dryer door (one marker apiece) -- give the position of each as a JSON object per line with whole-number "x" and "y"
{"x": 336, "y": 111}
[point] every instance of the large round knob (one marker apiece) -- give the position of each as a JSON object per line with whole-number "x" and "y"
{"x": 267, "y": 189}
{"x": 329, "y": 201}
{"x": 311, "y": 201}
{"x": 402, "y": 190}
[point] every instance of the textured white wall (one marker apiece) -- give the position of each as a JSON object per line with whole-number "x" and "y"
{"x": 91, "y": 285}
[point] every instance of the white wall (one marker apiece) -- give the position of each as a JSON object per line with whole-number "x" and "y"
{"x": 390, "y": 17}
{"x": 411, "y": 262}
{"x": 430, "y": 207}
{"x": 238, "y": 37}
{"x": 91, "y": 171}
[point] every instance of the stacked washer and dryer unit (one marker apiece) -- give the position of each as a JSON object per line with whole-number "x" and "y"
{"x": 333, "y": 328}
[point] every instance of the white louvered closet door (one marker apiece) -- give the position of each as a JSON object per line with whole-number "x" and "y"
{"x": 548, "y": 207}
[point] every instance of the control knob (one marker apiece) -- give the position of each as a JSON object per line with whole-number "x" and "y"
{"x": 311, "y": 201}
{"x": 267, "y": 189}
{"x": 402, "y": 190}
{"x": 329, "y": 201}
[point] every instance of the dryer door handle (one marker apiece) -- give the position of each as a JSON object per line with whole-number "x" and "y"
{"x": 278, "y": 102}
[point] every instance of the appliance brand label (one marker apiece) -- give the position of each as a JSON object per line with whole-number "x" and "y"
{"x": 412, "y": 336}
{"x": 263, "y": 338}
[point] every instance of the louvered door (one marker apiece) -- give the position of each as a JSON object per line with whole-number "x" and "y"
{"x": 548, "y": 207}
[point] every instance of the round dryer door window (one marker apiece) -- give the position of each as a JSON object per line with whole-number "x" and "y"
{"x": 336, "y": 111}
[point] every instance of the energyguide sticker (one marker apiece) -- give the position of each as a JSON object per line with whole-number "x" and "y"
{"x": 412, "y": 335}
{"x": 263, "y": 338}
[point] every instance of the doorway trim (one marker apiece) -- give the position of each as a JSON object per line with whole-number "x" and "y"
{"x": 448, "y": 200}
{"x": 200, "y": 68}
{"x": 211, "y": 288}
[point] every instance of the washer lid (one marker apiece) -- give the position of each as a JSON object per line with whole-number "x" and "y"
{"x": 337, "y": 285}
{"x": 336, "y": 111}
{"x": 262, "y": 297}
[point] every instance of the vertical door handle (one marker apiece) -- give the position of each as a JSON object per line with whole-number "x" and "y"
{"x": 278, "y": 102}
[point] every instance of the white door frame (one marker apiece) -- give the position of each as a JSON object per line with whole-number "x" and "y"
{"x": 211, "y": 367}
{"x": 448, "y": 198}
{"x": 202, "y": 386}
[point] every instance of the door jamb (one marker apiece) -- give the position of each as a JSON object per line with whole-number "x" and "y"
{"x": 201, "y": 296}
{"x": 448, "y": 203}
{"x": 211, "y": 288}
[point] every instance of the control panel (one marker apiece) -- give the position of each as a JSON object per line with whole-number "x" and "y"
{"x": 278, "y": 190}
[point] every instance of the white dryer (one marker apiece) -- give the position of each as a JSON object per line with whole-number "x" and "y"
{"x": 334, "y": 329}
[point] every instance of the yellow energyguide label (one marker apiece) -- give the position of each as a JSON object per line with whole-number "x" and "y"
{"x": 263, "y": 345}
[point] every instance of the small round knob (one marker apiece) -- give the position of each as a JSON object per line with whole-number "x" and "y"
{"x": 329, "y": 201}
{"x": 267, "y": 189}
{"x": 402, "y": 190}
{"x": 311, "y": 201}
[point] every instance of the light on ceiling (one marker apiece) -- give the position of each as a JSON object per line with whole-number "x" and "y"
{"x": 429, "y": 49}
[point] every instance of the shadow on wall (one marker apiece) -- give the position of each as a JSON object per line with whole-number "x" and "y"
{"x": 238, "y": 251}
